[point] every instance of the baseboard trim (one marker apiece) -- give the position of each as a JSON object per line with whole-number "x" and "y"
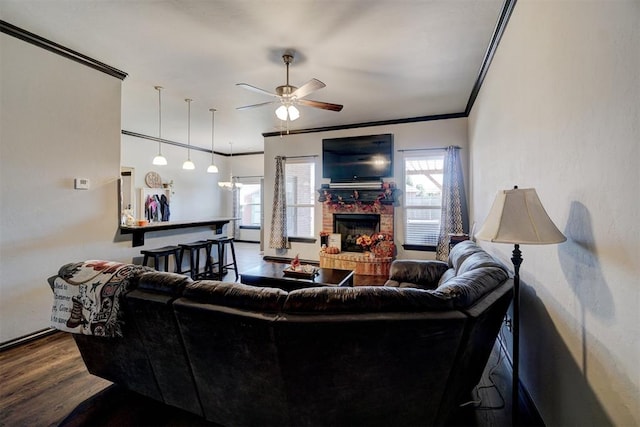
{"x": 27, "y": 338}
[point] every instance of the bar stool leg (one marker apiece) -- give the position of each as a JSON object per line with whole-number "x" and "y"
{"x": 208, "y": 265}
{"x": 178, "y": 256}
{"x": 233, "y": 256}
{"x": 220, "y": 261}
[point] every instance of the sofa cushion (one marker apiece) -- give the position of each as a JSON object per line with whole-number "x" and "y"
{"x": 460, "y": 252}
{"x": 464, "y": 290}
{"x": 420, "y": 274}
{"x": 236, "y": 295}
{"x": 477, "y": 260}
{"x": 364, "y": 299}
{"x": 446, "y": 276}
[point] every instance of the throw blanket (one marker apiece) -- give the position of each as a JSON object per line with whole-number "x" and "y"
{"x": 87, "y": 297}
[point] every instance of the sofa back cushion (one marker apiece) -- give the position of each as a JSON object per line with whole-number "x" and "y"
{"x": 236, "y": 295}
{"x": 162, "y": 283}
{"x": 460, "y": 252}
{"x": 364, "y": 299}
{"x": 464, "y": 290}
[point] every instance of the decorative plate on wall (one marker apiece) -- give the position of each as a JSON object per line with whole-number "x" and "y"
{"x": 153, "y": 180}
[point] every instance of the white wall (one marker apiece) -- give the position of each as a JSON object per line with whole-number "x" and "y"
{"x": 440, "y": 133}
{"x": 60, "y": 120}
{"x": 559, "y": 111}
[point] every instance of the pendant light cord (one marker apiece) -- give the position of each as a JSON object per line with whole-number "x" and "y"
{"x": 213, "y": 111}
{"x": 189, "y": 128}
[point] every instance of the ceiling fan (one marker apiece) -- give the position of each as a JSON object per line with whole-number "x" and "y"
{"x": 290, "y": 96}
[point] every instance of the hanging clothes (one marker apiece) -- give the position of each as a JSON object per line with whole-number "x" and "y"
{"x": 164, "y": 208}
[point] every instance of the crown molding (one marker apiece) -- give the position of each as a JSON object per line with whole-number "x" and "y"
{"x": 58, "y": 49}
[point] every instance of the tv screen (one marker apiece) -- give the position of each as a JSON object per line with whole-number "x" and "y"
{"x": 357, "y": 158}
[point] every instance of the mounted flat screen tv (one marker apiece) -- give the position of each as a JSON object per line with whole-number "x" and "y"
{"x": 357, "y": 158}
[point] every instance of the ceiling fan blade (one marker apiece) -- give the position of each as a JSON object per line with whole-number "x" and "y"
{"x": 255, "y": 89}
{"x": 310, "y": 86}
{"x": 247, "y": 107}
{"x": 320, "y": 104}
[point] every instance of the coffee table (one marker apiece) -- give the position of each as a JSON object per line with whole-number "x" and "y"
{"x": 270, "y": 274}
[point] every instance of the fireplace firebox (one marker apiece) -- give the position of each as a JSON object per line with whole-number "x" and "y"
{"x": 351, "y": 226}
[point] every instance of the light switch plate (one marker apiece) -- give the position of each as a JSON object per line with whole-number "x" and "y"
{"x": 81, "y": 183}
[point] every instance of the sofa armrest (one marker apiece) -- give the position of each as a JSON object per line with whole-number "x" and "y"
{"x": 423, "y": 274}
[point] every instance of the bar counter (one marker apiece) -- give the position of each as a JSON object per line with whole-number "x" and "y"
{"x": 138, "y": 231}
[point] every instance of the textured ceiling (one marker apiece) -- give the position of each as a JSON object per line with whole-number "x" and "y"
{"x": 383, "y": 60}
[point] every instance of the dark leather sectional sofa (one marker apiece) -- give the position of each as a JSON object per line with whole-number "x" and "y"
{"x": 402, "y": 354}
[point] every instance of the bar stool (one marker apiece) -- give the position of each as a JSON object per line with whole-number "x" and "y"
{"x": 194, "y": 249}
{"x": 166, "y": 252}
{"x": 221, "y": 243}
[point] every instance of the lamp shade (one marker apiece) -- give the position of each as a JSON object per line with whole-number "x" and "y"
{"x": 517, "y": 216}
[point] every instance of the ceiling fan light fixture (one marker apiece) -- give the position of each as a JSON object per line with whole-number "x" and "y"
{"x": 289, "y": 95}
{"x": 281, "y": 112}
{"x": 289, "y": 112}
{"x": 293, "y": 112}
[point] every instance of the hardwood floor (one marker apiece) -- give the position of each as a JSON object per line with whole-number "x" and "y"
{"x": 45, "y": 383}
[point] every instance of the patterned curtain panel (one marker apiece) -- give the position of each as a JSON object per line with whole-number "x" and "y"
{"x": 455, "y": 216}
{"x": 278, "y": 238}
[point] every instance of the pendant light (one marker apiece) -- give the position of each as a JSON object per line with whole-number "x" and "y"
{"x": 159, "y": 160}
{"x": 212, "y": 167}
{"x": 188, "y": 164}
{"x": 230, "y": 185}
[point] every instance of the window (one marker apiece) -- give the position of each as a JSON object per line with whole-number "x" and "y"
{"x": 423, "y": 199}
{"x": 300, "y": 185}
{"x": 249, "y": 203}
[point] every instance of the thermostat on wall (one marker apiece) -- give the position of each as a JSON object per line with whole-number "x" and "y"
{"x": 81, "y": 183}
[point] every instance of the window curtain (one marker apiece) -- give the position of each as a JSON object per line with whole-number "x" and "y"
{"x": 278, "y": 238}
{"x": 454, "y": 218}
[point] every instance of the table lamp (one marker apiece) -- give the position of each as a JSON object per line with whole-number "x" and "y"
{"x": 518, "y": 217}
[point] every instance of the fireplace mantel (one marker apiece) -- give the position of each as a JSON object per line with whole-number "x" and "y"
{"x": 384, "y": 195}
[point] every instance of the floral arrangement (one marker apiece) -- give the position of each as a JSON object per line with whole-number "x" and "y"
{"x": 365, "y": 241}
{"x": 380, "y": 244}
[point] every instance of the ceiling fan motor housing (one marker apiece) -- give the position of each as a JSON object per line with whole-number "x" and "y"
{"x": 285, "y": 90}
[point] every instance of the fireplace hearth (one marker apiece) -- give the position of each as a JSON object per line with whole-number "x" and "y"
{"x": 351, "y": 226}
